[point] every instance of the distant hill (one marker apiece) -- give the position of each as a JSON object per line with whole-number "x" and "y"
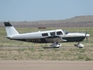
{"x": 78, "y": 21}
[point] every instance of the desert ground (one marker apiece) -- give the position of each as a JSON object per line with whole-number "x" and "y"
{"x": 16, "y": 55}
{"x": 43, "y": 62}
{"x": 45, "y": 65}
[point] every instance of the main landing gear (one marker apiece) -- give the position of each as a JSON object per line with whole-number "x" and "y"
{"x": 55, "y": 45}
{"x": 79, "y": 45}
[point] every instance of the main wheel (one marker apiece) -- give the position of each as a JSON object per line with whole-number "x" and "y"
{"x": 54, "y": 45}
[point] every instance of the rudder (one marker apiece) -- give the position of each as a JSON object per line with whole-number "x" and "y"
{"x": 10, "y": 30}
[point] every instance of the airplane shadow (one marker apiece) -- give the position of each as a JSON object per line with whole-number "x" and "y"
{"x": 49, "y": 47}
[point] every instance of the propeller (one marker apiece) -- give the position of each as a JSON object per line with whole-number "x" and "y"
{"x": 86, "y": 36}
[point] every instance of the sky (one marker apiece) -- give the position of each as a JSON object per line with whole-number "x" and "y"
{"x": 35, "y": 10}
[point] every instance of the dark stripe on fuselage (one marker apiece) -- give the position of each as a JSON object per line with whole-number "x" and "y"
{"x": 44, "y": 40}
{"x": 74, "y": 39}
{"x": 41, "y": 40}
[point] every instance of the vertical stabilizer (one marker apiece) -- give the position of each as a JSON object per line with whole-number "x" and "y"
{"x": 10, "y": 30}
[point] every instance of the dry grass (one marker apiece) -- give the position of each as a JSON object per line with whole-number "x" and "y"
{"x": 36, "y": 53}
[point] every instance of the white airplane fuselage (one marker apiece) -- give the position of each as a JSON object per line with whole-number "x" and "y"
{"x": 49, "y": 36}
{"x": 38, "y": 37}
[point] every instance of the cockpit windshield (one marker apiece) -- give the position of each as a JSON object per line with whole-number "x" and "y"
{"x": 65, "y": 32}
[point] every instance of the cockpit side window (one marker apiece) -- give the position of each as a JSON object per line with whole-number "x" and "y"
{"x": 44, "y": 34}
{"x": 65, "y": 32}
{"x": 52, "y": 33}
{"x": 59, "y": 33}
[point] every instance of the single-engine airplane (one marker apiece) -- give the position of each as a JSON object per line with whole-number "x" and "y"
{"x": 50, "y": 36}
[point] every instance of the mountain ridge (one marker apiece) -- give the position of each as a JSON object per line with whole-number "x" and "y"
{"x": 77, "y": 21}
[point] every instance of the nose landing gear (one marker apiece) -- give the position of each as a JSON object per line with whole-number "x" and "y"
{"x": 79, "y": 45}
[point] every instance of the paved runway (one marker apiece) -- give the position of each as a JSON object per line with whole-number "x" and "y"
{"x": 45, "y": 65}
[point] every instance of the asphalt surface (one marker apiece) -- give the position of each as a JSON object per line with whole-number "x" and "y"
{"x": 45, "y": 65}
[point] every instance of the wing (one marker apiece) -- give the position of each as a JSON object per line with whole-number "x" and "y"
{"x": 55, "y": 39}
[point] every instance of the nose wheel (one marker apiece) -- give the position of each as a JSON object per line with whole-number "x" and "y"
{"x": 79, "y": 45}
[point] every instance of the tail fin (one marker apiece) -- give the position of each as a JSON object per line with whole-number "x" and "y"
{"x": 10, "y": 30}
